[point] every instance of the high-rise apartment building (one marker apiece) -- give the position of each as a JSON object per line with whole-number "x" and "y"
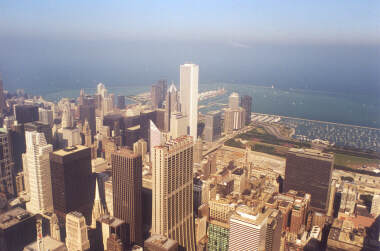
{"x": 246, "y": 104}
{"x": 189, "y": 74}
{"x": 213, "y": 126}
{"x": 37, "y": 171}
{"x": 71, "y": 177}
{"x": 234, "y": 119}
{"x": 310, "y": 171}
{"x": 76, "y": 232}
{"x": 127, "y": 186}
{"x": 6, "y": 164}
{"x": 172, "y": 191}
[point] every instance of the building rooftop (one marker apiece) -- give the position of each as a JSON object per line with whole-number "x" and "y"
{"x": 134, "y": 128}
{"x": 311, "y": 153}
{"x": 70, "y": 150}
{"x": 251, "y": 215}
{"x": 12, "y": 217}
{"x": 48, "y": 244}
{"x": 161, "y": 241}
{"x": 111, "y": 221}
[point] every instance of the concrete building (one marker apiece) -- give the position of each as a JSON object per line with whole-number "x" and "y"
{"x": 76, "y": 232}
{"x": 71, "y": 177}
{"x": 213, "y": 126}
{"x": 38, "y": 126}
{"x": 6, "y": 164}
{"x": 234, "y": 101}
{"x": 172, "y": 191}
{"x": 127, "y": 186}
{"x": 178, "y": 125}
{"x": 114, "y": 244}
{"x": 246, "y": 104}
{"x": 37, "y": 172}
{"x": 109, "y": 226}
{"x": 45, "y": 116}
{"x": 48, "y": 243}
{"x": 234, "y": 119}
{"x": 273, "y": 234}
{"x": 310, "y": 171}
{"x": 189, "y": 74}
{"x": 248, "y": 229}
{"x": 70, "y": 137}
{"x": 141, "y": 148}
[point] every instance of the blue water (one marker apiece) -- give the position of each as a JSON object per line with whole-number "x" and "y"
{"x": 336, "y": 83}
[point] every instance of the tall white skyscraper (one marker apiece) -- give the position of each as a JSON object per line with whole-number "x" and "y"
{"x": 189, "y": 95}
{"x": 172, "y": 191}
{"x": 37, "y": 167}
{"x": 76, "y": 232}
{"x": 155, "y": 136}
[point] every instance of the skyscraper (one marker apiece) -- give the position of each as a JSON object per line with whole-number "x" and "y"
{"x": 310, "y": 171}
{"x": 172, "y": 191}
{"x": 6, "y": 164}
{"x": 234, "y": 119}
{"x": 37, "y": 171}
{"x": 213, "y": 127}
{"x": 26, "y": 113}
{"x": 155, "y": 136}
{"x": 127, "y": 186}
{"x": 189, "y": 74}
{"x": 246, "y": 103}
{"x": 76, "y": 232}
{"x": 71, "y": 179}
{"x": 234, "y": 100}
{"x": 248, "y": 229}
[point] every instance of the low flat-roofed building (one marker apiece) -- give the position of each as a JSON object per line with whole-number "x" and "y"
{"x": 14, "y": 222}
{"x": 48, "y": 243}
{"x": 158, "y": 242}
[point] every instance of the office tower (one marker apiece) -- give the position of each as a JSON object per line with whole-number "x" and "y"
{"x": 155, "y": 136}
{"x": 47, "y": 243}
{"x": 127, "y": 185}
{"x": 120, "y": 102}
{"x": 101, "y": 90}
{"x": 330, "y": 210}
{"x": 6, "y": 164}
{"x": 164, "y": 87}
{"x": 114, "y": 243}
{"x": 246, "y": 104}
{"x": 298, "y": 217}
{"x": 234, "y": 101}
{"x": 37, "y": 170}
{"x": 76, "y": 232}
{"x": 71, "y": 179}
{"x": 55, "y": 231}
{"x": 140, "y": 148}
{"x": 37, "y": 126}
{"x": 172, "y": 191}
{"x": 178, "y": 125}
{"x": 197, "y": 197}
{"x": 241, "y": 182}
{"x": 160, "y": 118}
{"x": 2, "y": 99}
{"x": 87, "y": 112}
{"x": 17, "y": 143}
{"x": 248, "y": 229}
{"x": 219, "y": 227}
{"x": 26, "y": 113}
{"x": 273, "y": 234}
{"x": 70, "y": 137}
{"x": 17, "y": 229}
{"x": 67, "y": 116}
{"x": 172, "y": 104}
{"x": 132, "y": 135}
{"x": 45, "y": 116}
{"x": 234, "y": 119}
{"x": 158, "y": 242}
{"x": 198, "y": 151}
{"x": 375, "y": 208}
{"x": 107, "y": 105}
{"x": 156, "y": 95}
{"x": 310, "y": 171}
{"x": 213, "y": 126}
{"x": 189, "y": 96}
{"x": 86, "y": 131}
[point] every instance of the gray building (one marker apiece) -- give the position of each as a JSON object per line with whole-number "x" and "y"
{"x": 213, "y": 126}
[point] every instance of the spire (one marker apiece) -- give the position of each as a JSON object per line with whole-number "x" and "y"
{"x": 97, "y": 209}
{"x": 55, "y": 233}
{"x": 172, "y": 88}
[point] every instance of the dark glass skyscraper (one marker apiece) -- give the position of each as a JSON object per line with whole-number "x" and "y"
{"x": 127, "y": 187}
{"x": 246, "y": 103}
{"x": 71, "y": 179}
{"x": 310, "y": 171}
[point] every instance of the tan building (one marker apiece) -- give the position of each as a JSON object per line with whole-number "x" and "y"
{"x": 234, "y": 119}
{"x": 76, "y": 232}
{"x": 172, "y": 191}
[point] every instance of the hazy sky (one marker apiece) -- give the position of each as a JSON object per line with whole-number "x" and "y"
{"x": 237, "y": 22}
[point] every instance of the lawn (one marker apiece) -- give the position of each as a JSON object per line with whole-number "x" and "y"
{"x": 354, "y": 161}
